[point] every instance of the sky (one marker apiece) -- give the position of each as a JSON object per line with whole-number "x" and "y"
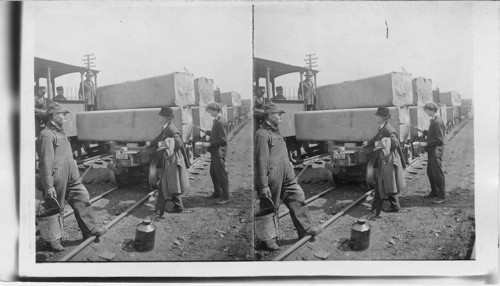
{"x": 427, "y": 39}
{"x": 132, "y": 40}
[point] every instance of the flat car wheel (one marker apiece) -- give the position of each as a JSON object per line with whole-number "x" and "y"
{"x": 294, "y": 154}
{"x": 153, "y": 174}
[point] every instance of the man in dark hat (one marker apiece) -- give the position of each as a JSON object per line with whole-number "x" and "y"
{"x": 217, "y": 146}
{"x": 279, "y": 94}
{"x": 172, "y": 163}
{"x": 60, "y": 93}
{"x": 307, "y": 92}
{"x": 275, "y": 178}
{"x": 434, "y": 146}
{"x": 387, "y": 185}
{"x": 59, "y": 176}
{"x": 88, "y": 93}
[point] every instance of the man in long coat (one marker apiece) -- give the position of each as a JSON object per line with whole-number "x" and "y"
{"x": 172, "y": 163}
{"x": 309, "y": 95}
{"x": 386, "y": 186}
{"x": 88, "y": 94}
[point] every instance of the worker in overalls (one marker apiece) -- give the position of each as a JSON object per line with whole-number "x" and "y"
{"x": 59, "y": 176}
{"x": 172, "y": 163}
{"x": 275, "y": 178}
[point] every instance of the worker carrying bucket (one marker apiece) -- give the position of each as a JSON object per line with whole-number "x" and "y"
{"x": 275, "y": 178}
{"x": 266, "y": 223}
{"x": 59, "y": 177}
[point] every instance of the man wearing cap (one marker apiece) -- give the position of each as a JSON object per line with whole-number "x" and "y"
{"x": 279, "y": 94}
{"x": 217, "y": 146}
{"x": 59, "y": 176}
{"x": 60, "y": 93}
{"x": 389, "y": 164}
{"x": 275, "y": 178}
{"x": 434, "y": 146}
{"x": 258, "y": 102}
{"x": 172, "y": 163}
{"x": 40, "y": 109}
{"x": 89, "y": 93}
{"x": 307, "y": 92}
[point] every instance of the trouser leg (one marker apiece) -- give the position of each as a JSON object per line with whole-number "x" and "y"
{"x": 177, "y": 200}
{"x": 293, "y": 197}
{"x": 430, "y": 174}
{"x": 78, "y": 198}
{"x": 377, "y": 202}
{"x": 219, "y": 170}
{"x": 394, "y": 200}
{"x": 213, "y": 175}
{"x": 438, "y": 180}
{"x": 161, "y": 202}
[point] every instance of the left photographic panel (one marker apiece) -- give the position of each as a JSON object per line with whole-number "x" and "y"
{"x": 141, "y": 130}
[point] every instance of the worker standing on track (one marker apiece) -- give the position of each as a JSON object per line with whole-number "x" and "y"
{"x": 59, "y": 176}
{"x": 434, "y": 146}
{"x": 389, "y": 164}
{"x": 309, "y": 95}
{"x": 171, "y": 162}
{"x": 217, "y": 146}
{"x": 275, "y": 178}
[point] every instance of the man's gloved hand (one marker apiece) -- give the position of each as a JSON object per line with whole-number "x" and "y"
{"x": 50, "y": 193}
{"x": 265, "y": 193}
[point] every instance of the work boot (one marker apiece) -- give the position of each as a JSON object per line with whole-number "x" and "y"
{"x": 215, "y": 196}
{"x": 56, "y": 246}
{"x": 178, "y": 209}
{"x": 270, "y": 245}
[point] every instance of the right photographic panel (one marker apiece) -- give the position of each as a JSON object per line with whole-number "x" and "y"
{"x": 364, "y": 131}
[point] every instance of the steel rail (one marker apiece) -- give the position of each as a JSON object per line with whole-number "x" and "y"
{"x": 89, "y": 240}
{"x": 70, "y": 212}
{"x": 306, "y": 238}
{"x": 313, "y": 198}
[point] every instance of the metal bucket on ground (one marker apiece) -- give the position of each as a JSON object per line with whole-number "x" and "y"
{"x": 145, "y": 235}
{"x": 360, "y": 235}
{"x": 50, "y": 223}
{"x": 266, "y": 223}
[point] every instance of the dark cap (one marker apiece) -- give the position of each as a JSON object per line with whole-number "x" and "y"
{"x": 271, "y": 108}
{"x": 89, "y": 73}
{"x": 42, "y": 88}
{"x": 279, "y": 88}
{"x": 383, "y": 112}
{"x": 431, "y": 106}
{"x": 55, "y": 107}
{"x": 166, "y": 112}
{"x": 309, "y": 73}
{"x": 59, "y": 88}
{"x": 214, "y": 106}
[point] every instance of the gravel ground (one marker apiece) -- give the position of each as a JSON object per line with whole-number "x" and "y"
{"x": 420, "y": 231}
{"x": 203, "y": 232}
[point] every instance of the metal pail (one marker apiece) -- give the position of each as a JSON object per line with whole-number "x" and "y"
{"x": 266, "y": 224}
{"x": 360, "y": 235}
{"x": 51, "y": 227}
{"x": 145, "y": 235}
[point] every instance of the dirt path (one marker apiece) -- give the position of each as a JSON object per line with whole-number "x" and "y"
{"x": 204, "y": 231}
{"x": 420, "y": 231}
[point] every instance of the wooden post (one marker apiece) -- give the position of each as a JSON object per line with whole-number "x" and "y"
{"x": 49, "y": 84}
{"x": 302, "y": 92}
{"x": 82, "y": 87}
{"x": 268, "y": 83}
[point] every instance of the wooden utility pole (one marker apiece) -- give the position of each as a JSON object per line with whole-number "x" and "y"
{"x": 88, "y": 61}
{"x": 310, "y": 61}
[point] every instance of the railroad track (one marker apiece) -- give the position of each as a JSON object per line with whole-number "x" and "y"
{"x": 415, "y": 164}
{"x": 199, "y": 164}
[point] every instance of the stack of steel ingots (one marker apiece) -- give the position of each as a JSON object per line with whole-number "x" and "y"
{"x": 449, "y": 103}
{"x": 204, "y": 95}
{"x": 346, "y": 111}
{"x": 127, "y": 112}
{"x": 231, "y": 101}
{"x": 422, "y": 93}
